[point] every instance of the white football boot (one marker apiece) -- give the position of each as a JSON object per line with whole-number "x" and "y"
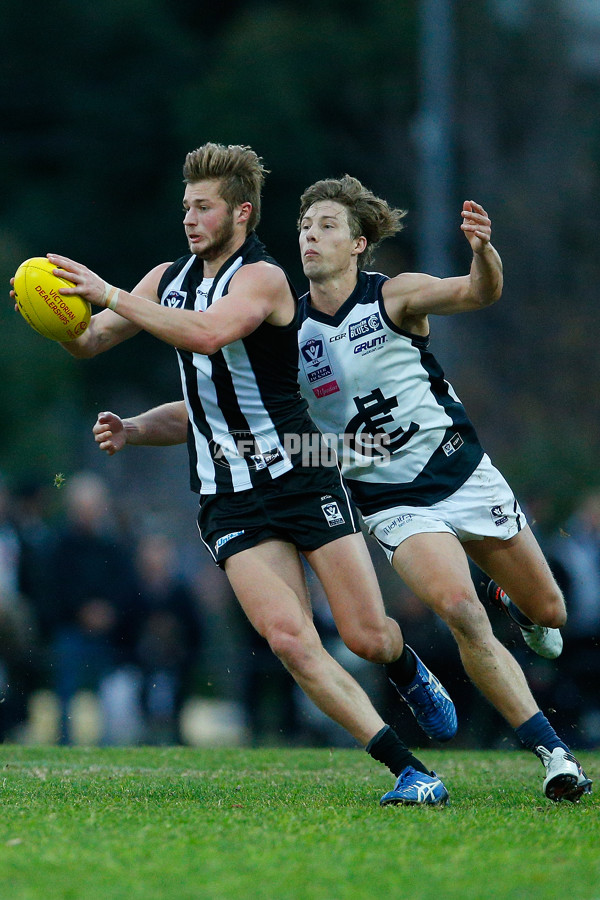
{"x": 565, "y": 779}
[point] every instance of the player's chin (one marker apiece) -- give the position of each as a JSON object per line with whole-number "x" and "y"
{"x": 311, "y": 268}
{"x": 196, "y": 247}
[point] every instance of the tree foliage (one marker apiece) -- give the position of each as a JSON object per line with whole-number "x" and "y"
{"x": 103, "y": 101}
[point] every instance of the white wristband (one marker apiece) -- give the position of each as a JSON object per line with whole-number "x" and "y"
{"x": 111, "y": 297}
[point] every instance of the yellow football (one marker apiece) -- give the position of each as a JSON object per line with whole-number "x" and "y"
{"x": 39, "y": 302}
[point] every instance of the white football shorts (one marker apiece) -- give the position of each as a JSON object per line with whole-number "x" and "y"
{"x": 484, "y": 506}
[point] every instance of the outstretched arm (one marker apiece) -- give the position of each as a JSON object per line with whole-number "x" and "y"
{"x": 107, "y": 328}
{"x": 410, "y": 297}
{"x": 257, "y": 292}
{"x": 486, "y": 279}
{"x": 162, "y": 426}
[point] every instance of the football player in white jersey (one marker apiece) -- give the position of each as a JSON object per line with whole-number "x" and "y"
{"x": 427, "y": 491}
{"x": 223, "y": 307}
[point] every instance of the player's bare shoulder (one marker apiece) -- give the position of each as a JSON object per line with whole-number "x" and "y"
{"x": 398, "y": 296}
{"x": 148, "y": 286}
{"x": 266, "y": 284}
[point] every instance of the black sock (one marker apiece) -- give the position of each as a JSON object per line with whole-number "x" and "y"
{"x": 386, "y": 747}
{"x": 402, "y": 671}
{"x": 537, "y": 731}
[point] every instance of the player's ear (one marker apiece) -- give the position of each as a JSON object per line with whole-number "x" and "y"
{"x": 244, "y": 211}
{"x": 360, "y": 245}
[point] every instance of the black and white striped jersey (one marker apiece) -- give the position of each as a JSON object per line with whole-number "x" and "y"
{"x": 244, "y": 399}
{"x": 401, "y": 433}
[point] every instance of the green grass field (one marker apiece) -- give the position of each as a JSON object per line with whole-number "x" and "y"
{"x": 232, "y": 824}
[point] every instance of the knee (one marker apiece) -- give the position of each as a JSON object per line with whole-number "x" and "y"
{"x": 463, "y": 613}
{"x": 377, "y": 644}
{"x": 553, "y": 613}
{"x": 293, "y": 645}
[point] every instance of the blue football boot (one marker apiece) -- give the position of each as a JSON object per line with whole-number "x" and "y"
{"x": 430, "y": 703}
{"x": 416, "y": 789}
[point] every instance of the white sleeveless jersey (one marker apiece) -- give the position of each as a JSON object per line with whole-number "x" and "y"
{"x": 401, "y": 434}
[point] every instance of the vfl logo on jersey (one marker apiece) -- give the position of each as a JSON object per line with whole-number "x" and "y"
{"x": 332, "y": 514}
{"x": 174, "y": 299}
{"x": 313, "y": 352}
{"x": 498, "y": 515}
{"x": 315, "y": 359}
{"x": 454, "y": 444}
{"x": 368, "y": 325}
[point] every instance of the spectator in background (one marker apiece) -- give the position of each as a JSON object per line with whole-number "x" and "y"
{"x": 575, "y": 556}
{"x": 33, "y": 509}
{"x": 163, "y": 630}
{"x": 17, "y": 625}
{"x": 91, "y": 588}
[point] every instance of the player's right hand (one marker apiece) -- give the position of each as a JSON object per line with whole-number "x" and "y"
{"x": 109, "y": 433}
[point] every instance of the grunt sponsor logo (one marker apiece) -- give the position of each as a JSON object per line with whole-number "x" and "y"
{"x": 369, "y": 346}
{"x": 368, "y": 325}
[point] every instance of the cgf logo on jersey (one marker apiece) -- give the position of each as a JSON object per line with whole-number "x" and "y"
{"x": 174, "y": 299}
{"x": 368, "y": 325}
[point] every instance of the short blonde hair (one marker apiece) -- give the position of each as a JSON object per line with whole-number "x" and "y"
{"x": 238, "y": 169}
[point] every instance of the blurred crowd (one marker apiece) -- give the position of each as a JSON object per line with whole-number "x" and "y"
{"x": 112, "y": 632}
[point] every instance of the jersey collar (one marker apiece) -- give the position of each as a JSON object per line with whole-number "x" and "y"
{"x": 355, "y": 297}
